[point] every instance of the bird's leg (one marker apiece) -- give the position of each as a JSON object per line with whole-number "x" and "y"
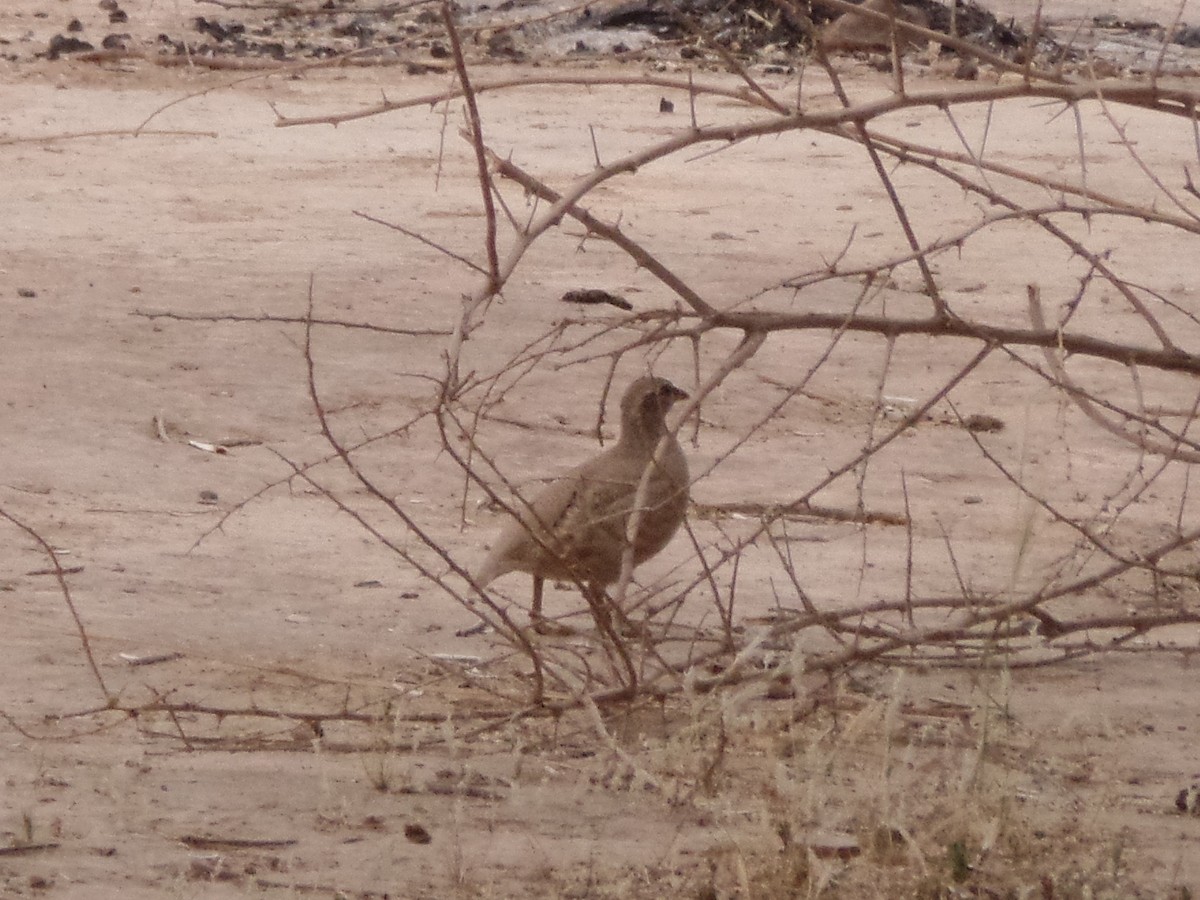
{"x": 618, "y": 621}
{"x": 601, "y": 606}
{"x": 535, "y": 613}
{"x": 539, "y": 622}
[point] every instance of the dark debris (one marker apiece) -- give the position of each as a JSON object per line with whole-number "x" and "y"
{"x": 743, "y": 26}
{"x": 596, "y": 296}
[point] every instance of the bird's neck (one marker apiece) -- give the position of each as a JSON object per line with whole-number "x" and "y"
{"x": 642, "y": 432}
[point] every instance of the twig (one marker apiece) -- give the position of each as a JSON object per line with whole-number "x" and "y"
{"x": 289, "y": 320}
{"x": 475, "y": 135}
{"x": 65, "y": 590}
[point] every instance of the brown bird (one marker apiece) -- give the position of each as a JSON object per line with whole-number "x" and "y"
{"x": 576, "y": 528}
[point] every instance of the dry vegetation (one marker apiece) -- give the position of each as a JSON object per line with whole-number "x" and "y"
{"x": 777, "y": 688}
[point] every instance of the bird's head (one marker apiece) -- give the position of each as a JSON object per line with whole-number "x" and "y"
{"x": 645, "y": 406}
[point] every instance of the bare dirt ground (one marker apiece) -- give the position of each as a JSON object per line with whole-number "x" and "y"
{"x": 291, "y": 606}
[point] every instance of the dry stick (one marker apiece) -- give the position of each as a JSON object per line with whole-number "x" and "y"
{"x": 1166, "y": 301}
{"x": 1131, "y": 149}
{"x": 1083, "y": 169}
{"x": 173, "y": 715}
{"x": 1172, "y": 360}
{"x": 441, "y": 150}
{"x": 417, "y": 236}
{"x": 775, "y": 408}
{"x": 920, "y": 636}
{"x": 783, "y": 551}
{"x": 510, "y": 628}
{"x": 289, "y": 320}
{"x": 962, "y": 139}
{"x": 725, "y": 613}
{"x": 1094, "y": 540}
{"x": 1031, "y": 43}
{"x": 860, "y": 483}
{"x": 1082, "y": 401}
{"x": 1165, "y": 461}
{"x": 557, "y": 79}
{"x": 941, "y": 311}
{"x": 908, "y": 551}
{"x": 506, "y": 626}
{"x": 810, "y": 511}
{"x": 1077, "y": 247}
{"x": 476, "y": 138}
{"x": 24, "y": 849}
{"x": 963, "y": 590}
{"x": 909, "y": 151}
{"x": 508, "y": 212}
{"x": 295, "y": 68}
{"x": 1070, "y": 653}
{"x": 595, "y": 147}
{"x": 116, "y": 132}
{"x": 691, "y": 90}
{"x": 1168, "y": 360}
{"x": 1166, "y": 40}
{"x": 731, "y": 61}
{"x": 1176, "y": 100}
{"x": 851, "y": 465}
{"x": 65, "y": 590}
{"x": 642, "y": 257}
{"x": 271, "y": 485}
{"x": 1175, "y": 438}
{"x": 894, "y": 51}
{"x": 593, "y": 714}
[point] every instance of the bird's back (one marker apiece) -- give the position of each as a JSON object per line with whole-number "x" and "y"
{"x": 576, "y": 527}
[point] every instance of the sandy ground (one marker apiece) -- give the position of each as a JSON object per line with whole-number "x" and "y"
{"x": 292, "y": 606}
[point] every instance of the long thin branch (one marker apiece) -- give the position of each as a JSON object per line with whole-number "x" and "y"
{"x": 288, "y": 320}
{"x": 1174, "y": 99}
{"x": 65, "y": 590}
{"x": 611, "y": 233}
{"x": 476, "y": 137}
{"x": 1167, "y": 360}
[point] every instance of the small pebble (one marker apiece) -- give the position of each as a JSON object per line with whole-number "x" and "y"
{"x": 418, "y": 834}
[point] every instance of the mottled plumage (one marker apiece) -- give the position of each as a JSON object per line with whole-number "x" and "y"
{"x": 580, "y": 520}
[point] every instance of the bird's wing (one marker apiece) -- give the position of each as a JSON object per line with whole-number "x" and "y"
{"x": 560, "y": 519}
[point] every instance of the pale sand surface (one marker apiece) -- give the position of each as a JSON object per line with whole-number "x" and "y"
{"x": 233, "y": 216}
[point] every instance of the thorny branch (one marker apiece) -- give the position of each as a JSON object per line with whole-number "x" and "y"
{"x": 954, "y": 622}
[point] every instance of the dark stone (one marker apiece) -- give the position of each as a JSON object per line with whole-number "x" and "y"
{"x": 60, "y": 44}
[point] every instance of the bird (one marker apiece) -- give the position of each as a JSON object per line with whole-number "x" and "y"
{"x": 576, "y": 527}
